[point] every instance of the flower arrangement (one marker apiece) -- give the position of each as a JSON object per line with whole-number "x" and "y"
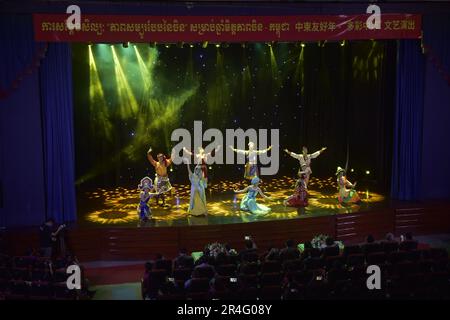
{"x": 319, "y": 241}
{"x": 215, "y": 248}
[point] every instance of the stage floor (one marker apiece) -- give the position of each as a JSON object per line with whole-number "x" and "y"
{"x": 118, "y": 207}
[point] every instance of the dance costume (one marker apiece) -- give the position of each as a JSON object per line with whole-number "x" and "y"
{"x": 197, "y": 203}
{"x": 143, "y": 209}
{"x": 305, "y": 163}
{"x": 251, "y": 167}
{"x": 201, "y": 157}
{"x": 162, "y": 182}
{"x": 346, "y": 195}
{"x": 300, "y": 196}
{"x": 248, "y": 202}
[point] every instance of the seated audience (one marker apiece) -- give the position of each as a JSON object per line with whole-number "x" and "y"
{"x": 250, "y": 250}
{"x": 183, "y": 260}
{"x": 290, "y": 252}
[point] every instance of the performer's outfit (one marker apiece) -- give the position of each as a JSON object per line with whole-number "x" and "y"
{"x": 248, "y": 202}
{"x": 305, "y": 163}
{"x": 162, "y": 182}
{"x": 251, "y": 167}
{"x": 300, "y": 196}
{"x": 201, "y": 161}
{"x": 346, "y": 195}
{"x": 144, "y": 210}
{"x": 197, "y": 203}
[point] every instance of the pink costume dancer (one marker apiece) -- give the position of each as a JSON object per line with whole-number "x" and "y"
{"x": 300, "y": 196}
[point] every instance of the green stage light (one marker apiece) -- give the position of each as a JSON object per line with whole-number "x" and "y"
{"x": 205, "y": 44}
{"x": 302, "y": 44}
{"x": 97, "y": 103}
{"x": 276, "y": 78}
{"x": 127, "y": 103}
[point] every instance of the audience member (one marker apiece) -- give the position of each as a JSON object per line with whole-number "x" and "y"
{"x": 290, "y": 252}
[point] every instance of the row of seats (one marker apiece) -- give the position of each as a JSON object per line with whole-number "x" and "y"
{"x": 35, "y": 278}
{"x": 333, "y": 273}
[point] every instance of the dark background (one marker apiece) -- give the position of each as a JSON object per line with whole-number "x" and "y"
{"x": 330, "y": 95}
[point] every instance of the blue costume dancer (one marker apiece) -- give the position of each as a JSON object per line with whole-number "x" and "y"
{"x": 144, "y": 211}
{"x": 248, "y": 202}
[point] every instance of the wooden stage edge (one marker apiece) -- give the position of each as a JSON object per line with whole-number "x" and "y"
{"x": 125, "y": 243}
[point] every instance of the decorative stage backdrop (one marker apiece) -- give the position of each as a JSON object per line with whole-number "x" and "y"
{"x": 119, "y": 28}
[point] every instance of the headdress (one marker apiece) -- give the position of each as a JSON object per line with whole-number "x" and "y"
{"x": 339, "y": 170}
{"x": 146, "y": 183}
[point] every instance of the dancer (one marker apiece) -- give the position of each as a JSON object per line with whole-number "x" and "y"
{"x": 346, "y": 195}
{"x": 162, "y": 183}
{"x": 144, "y": 211}
{"x": 248, "y": 202}
{"x": 251, "y": 167}
{"x": 201, "y": 157}
{"x": 300, "y": 196}
{"x": 197, "y": 203}
{"x": 305, "y": 161}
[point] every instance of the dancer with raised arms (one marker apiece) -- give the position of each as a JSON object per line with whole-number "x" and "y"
{"x": 251, "y": 167}
{"x": 305, "y": 161}
{"x": 162, "y": 182}
{"x": 200, "y": 159}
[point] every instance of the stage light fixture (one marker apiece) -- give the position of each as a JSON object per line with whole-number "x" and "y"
{"x": 205, "y": 44}
{"x": 302, "y": 44}
{"x": 191, "y": 45}
{"x": 217, "y": 45}
{"x": 342, "y": 43}
{"x": 367, "y": 172}
{"x": 351, "y": 170}
{"x": 167, "y": 45}
{"x": 243, "y": 45}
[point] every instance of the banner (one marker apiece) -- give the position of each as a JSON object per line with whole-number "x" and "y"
{"x": 138, "y": 28}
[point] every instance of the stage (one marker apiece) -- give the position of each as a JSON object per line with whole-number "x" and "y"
{"x": 118, "y": 207}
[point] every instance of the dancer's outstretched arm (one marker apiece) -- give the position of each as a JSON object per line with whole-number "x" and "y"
{"x": 187, "y": 151}
{"x": 264, "y": 150}
{"x": 349, "y": 184}
{"x": 292, "y": 154}
{"x": 317, "y": 153}
{"x": 262, "y": 194}
{"x": 150, "y": 158}
{"x": 239, "y": 150}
